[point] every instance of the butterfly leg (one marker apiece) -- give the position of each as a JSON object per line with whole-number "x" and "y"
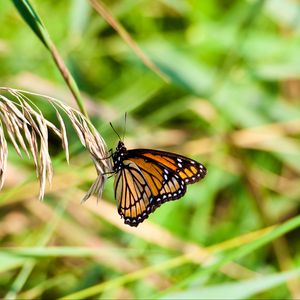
{"x": 110, "y": 155}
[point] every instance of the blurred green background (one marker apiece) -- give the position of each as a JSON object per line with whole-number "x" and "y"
{"x": 232, "y": 103}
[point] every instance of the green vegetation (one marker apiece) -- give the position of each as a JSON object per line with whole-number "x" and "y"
{"x": 217, "y": 81}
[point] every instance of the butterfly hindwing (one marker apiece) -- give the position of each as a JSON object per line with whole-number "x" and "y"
{"x": 132, "y": 193}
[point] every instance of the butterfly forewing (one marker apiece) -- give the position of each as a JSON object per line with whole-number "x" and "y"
{"x": 187, "y": 169}
{"x": 164, "y": 183}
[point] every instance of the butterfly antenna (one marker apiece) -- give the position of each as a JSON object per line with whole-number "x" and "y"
{"x": 115, "y": 131}
{"x": 124, "y": 130}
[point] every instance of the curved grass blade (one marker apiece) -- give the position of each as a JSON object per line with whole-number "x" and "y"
{"x": 237, "y": 290}
{"x": 114, "y": 23}
{"x": 32, "y": 19}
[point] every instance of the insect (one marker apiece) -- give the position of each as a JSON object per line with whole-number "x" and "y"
{"x": 145, "y": 179}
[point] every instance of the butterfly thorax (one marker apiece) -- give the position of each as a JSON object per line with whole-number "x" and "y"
{"x": 119, "y": 156}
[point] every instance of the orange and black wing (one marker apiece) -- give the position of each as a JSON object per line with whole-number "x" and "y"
{"x": 149, "y": 178}
{"x": 132, "y": 193}
{"x": 189, "y": 170}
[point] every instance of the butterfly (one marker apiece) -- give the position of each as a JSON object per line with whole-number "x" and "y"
{"x": 145, "y": 179}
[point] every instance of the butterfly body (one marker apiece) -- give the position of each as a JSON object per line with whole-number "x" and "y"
{"x": 145, "y": 178}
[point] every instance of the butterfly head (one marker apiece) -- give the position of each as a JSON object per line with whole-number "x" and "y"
{"x": 120, "y": 147}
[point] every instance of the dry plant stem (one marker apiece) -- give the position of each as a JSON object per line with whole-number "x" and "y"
{"x": 268, "y": 137}
{"x": 109, "y": 18}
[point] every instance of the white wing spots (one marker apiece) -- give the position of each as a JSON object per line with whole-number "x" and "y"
{"x": 158, "y": 199}
{"x": 166, "y": 171}
{"x": 186, "y": 180}
{"x": 179, "y": 160}
{"x": 164, "y": 196}
{"x": 179, "y": 165}
{"x": 192, "y": 162}
{"x": 165, "y": 177}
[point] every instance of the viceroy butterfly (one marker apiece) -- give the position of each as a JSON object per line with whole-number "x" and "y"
{"x": 145, "y": 179}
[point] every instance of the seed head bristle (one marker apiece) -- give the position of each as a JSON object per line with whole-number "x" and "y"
{"x": 28, "y": 130}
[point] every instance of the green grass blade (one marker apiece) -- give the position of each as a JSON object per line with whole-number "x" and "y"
{"x": 32, "y": 19}
{"x": 238, "y": 290}
{"x": 41, "y": 252}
